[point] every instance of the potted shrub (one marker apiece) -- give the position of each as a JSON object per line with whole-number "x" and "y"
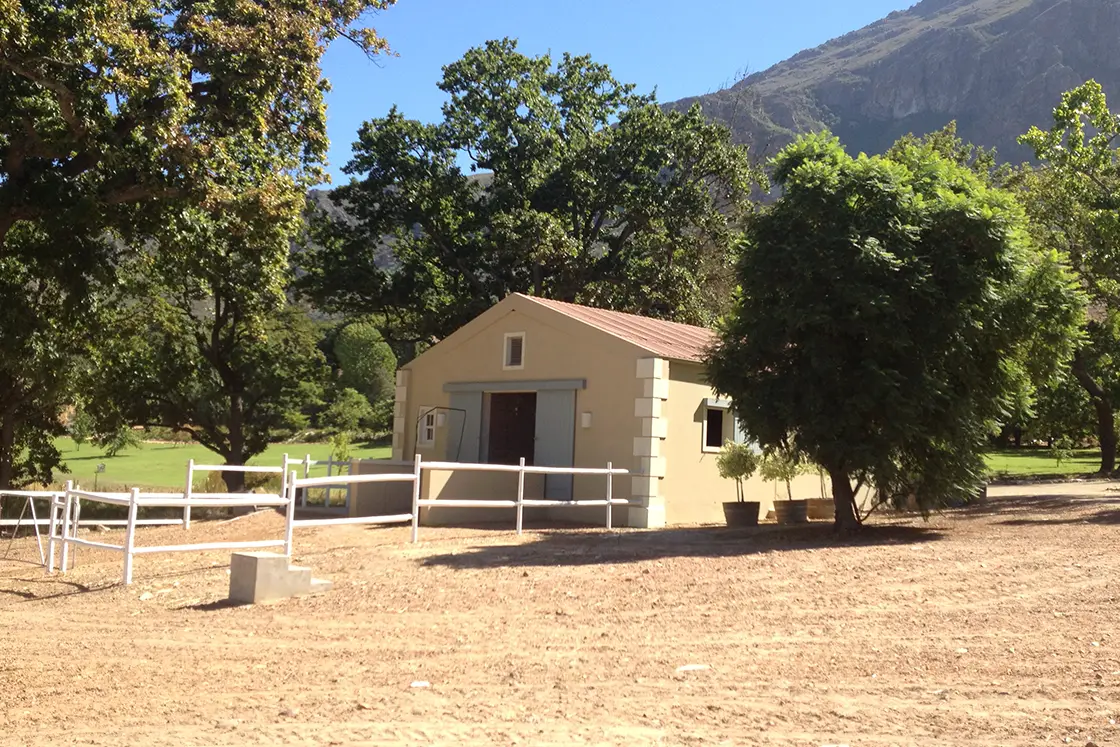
{"x": 782, "y": 465}
{"x": 822, "y": 508}
{"x": 739, "y": 462}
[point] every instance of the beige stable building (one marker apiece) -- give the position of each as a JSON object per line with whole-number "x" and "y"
{"x": 564, "y": 385}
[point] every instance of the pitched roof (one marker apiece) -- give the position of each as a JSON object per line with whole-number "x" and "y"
{"x": 681, "y": 342}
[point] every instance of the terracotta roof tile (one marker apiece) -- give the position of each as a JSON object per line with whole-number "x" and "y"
{"x": 665, "y": 339}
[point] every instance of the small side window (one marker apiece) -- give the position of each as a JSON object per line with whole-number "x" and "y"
{"x": 713, "y": 429}
{"x": 426, "y": 428}
{"x": 514, "y": 354}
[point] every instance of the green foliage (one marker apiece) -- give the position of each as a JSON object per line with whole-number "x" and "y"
{"x": 881, "y": 303}
{"x": 586, "y": 192}
{"x": 1075, "y": 202}
{"x": 366, "y": 363}
{"x": 113, "y": 113}
{"x": 119, "y": 439}
{"x": 783, "y": 464}
{"x": 738, "y": 462}
{"x": 348, "y": 412}
{"x": 81, "y": 427}
{"x": 45, "y": 330}
{"x": 340, "y": 446}
{"x": 205, "y": 344}
{"x": 1061, "y": 450}
{"x": 118, "y": 120}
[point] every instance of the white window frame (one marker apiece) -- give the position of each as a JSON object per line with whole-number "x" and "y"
{"x": 505, "y": 351}
{"x": 425, "y": 433}
{"x": 725, "y": 409}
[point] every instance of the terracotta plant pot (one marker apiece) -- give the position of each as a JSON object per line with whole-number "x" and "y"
{"x": 741, "y": 513}
{"x": 791, "y": 512}
{"x": 822, "y": 509}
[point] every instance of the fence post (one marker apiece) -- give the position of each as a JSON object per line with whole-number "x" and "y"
{"x": 349, "y": 485}
{"x": 187, "y": 495}
{"x": 291, "y": 515}
{"x": 416, "y": 475}
{"x": 284, "y": 475}
{"x": 77, "y": 522}
{"x": 54, "y": 524}
{"x": 610, "y": 494}
{"x": 520, "y": 495}
{"x": 130, "y": 533}
{"x": 65, "y": 532}
{"x": 306, "y": 474}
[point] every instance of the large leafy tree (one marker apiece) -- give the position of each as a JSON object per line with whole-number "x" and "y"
{"x": 576, "y": 188}
{"x": 204, "y": 343}
{"x": 881, "y": 302}
{"x": 1074, "y": 200}
{"x": 116, "y": 118}
{"x": 109, "y": 109}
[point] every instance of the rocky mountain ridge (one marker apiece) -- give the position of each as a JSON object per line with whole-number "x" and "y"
{"x": 994, "y": 66}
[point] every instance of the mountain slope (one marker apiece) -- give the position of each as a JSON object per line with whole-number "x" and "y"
{"x": 995, "y": 66}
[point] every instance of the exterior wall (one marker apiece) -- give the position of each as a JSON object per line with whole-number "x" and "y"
{"x": 556, "y": 348}
{"x": 380, "y": 498}
{"x": 692, "y": 490}
{"x": 476, "y": 486}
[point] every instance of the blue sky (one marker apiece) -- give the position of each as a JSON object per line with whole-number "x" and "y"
{"x": 681, "y": 49}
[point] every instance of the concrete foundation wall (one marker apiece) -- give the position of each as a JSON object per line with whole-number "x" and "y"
{"x": 380, "y": 498}
{"x": 469, "y": 485}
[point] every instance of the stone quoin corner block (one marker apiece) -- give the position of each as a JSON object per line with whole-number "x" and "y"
{"x": 400, "y": 413}
{"x": 647, "y": 509}
{"x": 647, "y": 407}
{"x": 647, "y": 447}
{"x": 652, "y": 368}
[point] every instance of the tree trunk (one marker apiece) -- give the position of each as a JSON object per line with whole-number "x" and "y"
{"x": 1102, "y": 403}
{"x": 7, "y": 451}
{"x": 843, "y": 497}
{"x": 235, "y": 481}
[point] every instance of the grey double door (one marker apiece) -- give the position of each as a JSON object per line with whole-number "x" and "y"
{"x": 539, "y": 426}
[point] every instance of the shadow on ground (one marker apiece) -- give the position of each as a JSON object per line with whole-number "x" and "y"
{"x": 1032, "y": 510}
{"x": 592, "y": 548}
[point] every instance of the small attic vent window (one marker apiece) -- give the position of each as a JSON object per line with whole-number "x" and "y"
{"x": 514, "y": 356}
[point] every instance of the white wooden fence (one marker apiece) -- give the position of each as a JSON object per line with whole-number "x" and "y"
{"x": 416, "y": 477}
{"x": 327, "y": 487}
{"x": 66, "y": 513}
{"x": 65, "y": 507}
{"x": 188, "y": 492}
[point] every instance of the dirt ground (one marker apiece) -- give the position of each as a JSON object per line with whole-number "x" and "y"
{"x": 998, "y": 625}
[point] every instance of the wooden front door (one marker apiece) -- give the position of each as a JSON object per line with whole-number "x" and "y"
{"x": 513, "y": 427}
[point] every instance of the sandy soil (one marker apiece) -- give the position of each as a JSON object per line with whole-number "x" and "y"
{"x": 993, "y": 626}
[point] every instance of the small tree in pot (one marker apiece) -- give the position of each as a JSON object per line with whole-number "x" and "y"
{"x": 739, "y": 462}
{"x": 783, "y": 465}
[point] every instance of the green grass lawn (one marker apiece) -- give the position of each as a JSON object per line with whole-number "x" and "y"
{"x": 165, "y": 465}
{"x": 1026, "y": 462}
